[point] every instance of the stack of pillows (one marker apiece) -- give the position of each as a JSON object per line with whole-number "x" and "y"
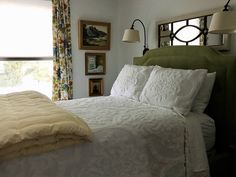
{"x": 177, "y": 89}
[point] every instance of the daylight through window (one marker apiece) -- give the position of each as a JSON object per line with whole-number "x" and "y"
{"x": 26, "y": 46}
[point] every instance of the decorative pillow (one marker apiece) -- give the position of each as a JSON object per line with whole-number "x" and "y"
{"x": 130, "y": 81}
{"x": 202, "y": 99}
{"x": 173, "y": 88}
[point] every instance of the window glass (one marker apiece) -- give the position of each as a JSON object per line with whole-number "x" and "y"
{"x": 187, "y": 33}
{"x": 26, "y": 28}
{"x": 18, "y": 76}
{"x": 26, "y": 31}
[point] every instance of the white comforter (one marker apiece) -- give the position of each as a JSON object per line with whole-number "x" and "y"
{"x": 130, "y": 139}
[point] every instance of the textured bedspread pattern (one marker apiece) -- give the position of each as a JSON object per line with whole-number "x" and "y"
{"x": 129, "y": 139}
{"x": 164, "y": 133}
{"x": 30, "y": 123}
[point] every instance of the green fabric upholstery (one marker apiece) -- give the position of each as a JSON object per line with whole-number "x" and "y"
{"x": 222, "y": 106}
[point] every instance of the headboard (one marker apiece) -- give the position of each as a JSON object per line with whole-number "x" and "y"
{"x": 222, "y": 106}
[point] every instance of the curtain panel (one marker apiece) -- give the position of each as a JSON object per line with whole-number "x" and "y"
{"x": 62, "y": 53}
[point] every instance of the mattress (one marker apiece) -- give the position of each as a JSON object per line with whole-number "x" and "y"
{"x": 129, "y": 139}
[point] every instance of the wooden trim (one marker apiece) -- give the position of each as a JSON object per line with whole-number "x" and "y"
{"x": 24, "y": 58}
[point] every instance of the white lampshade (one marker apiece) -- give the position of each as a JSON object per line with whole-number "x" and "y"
{"x": 131, "y": 35}
{"x": 223, "y": 22}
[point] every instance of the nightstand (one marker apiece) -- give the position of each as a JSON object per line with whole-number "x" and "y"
{"x": 232, "y": 152}
{"x": 223, "y": 164}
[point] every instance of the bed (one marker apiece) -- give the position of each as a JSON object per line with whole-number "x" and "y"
{"x": 131, "y": 138}
{"x": 223, "y": 99}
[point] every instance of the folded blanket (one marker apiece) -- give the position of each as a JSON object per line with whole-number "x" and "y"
{"x": 30, "y": 123}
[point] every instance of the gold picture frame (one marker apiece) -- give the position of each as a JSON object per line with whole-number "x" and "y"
{"x": 95, "y": 63}
{"x": 94, "y": 35}
{"x": 96, "y": 87}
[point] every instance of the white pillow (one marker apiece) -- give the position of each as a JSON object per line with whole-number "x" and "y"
{"x": 202, "y": 99}
{"x": 130, "y": 81}
{"x": 173, "y": 88}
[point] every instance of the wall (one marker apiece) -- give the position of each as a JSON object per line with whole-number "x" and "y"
{"x": 151, "y": 11}
{"x": 102, "y": 10}
{"x": 121, "y": 14}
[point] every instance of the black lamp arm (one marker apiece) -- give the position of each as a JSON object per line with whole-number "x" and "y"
{"x": 226, "y": 6}
{"x": 145, "y": 37}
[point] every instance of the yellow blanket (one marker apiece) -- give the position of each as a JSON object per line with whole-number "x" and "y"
{"x": 30, "y": 123}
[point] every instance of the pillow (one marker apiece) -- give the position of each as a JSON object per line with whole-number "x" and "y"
{"x": 130, "y": 81}
{"x": 173, "y": 88}
{"x": 202, "y": 99}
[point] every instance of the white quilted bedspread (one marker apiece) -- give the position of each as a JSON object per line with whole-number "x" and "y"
{"x": 130, "y": 139}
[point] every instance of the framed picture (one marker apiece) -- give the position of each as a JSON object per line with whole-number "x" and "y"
{"x": 94, "y": 35}
{"x": 95, "y": 63}
{"x": 95, "y": 86}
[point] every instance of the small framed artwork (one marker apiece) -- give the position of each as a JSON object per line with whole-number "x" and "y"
{"x": 95, "y": 63}
{"x": 96, "y": 87}
{"x": 94, "y": 35}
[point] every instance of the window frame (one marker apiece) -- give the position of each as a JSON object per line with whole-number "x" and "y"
{"x": 225, "y": 38}
{"x": 25, "y": 58}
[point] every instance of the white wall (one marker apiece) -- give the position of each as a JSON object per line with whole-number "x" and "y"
{"x": 102, "y": 10}
{"x": 151, "y": 11}
{"x": 121, "y": 14}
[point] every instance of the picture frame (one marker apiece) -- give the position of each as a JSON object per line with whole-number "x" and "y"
{"x": 94, "y": 35}
{"x": 96, "y": 87}
{"x": 95, "y": 63}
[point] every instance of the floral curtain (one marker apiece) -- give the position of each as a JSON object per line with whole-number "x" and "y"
{"x": 62, "y": 54}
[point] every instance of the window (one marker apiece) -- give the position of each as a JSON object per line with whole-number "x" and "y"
{"x": 26, "y": 46}
{"x": 191, "y": 29}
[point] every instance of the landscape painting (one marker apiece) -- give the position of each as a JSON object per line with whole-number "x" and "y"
{"x": 94, "y": 35}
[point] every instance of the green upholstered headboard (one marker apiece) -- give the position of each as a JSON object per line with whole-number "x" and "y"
{"x": 222, "y": 106}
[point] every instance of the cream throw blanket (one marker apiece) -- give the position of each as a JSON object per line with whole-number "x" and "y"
{"x": 30, "y": 123}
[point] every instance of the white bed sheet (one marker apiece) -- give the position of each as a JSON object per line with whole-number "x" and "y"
{"x": 130, "y": 139}
{"x": 208, "y": 129}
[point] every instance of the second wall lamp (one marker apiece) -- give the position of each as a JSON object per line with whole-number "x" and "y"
{"x": 224, "y": 21}
{"x": 131, "y": 35}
